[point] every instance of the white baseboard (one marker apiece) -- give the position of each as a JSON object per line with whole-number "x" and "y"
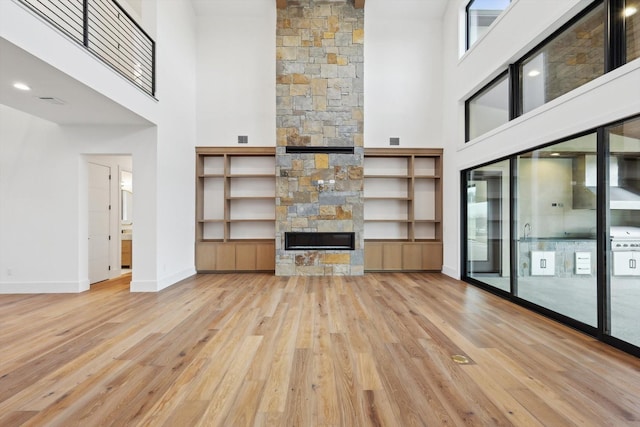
{"x": 451, "y": 272}
{"x": 143, "y": 286}
{"x": 43, "y": 287}
{"x": 158, "y": 285}
{"x": 165, "y": 282}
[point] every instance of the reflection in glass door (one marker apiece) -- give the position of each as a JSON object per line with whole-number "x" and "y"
{"x": 487, "y": 206}
{"x": 556, "y": 231}
{"x": 568, "y": 231}
{"x": 624, "y": 230}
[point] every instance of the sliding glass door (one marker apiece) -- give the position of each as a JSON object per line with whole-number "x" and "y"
{"x": 624, "y": 230}
{"x": 488, "y": 225}
{"x": 556, "y": 228}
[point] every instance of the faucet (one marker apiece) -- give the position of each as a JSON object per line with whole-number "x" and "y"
{"x": 527, "y": 230}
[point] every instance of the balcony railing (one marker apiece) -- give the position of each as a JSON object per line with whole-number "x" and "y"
{"x": 107, "y": 30}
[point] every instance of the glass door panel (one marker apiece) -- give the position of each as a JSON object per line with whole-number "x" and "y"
{"x": 488, "y": 225}
{"x": 556, "y": 228}
{"x": 624, "y": 230}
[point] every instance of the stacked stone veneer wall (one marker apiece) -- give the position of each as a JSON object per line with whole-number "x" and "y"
{"x": 320, "y": 103}
{"x": 576, "y": 57}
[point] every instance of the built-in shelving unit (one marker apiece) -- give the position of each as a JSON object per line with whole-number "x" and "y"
{"x": 403, "y": 209}
{"x": 235, "y": 209}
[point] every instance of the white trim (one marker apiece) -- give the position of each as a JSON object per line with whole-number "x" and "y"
{"x": 609, "y": 116}
{"x": 43, "y": 287}
{"x": 451, "y": 272}
{"x": 167, "y": 281}
{"x": 143, "y": 286}
{"x": 463, "y": 23}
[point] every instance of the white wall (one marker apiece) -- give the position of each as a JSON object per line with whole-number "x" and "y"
{"x": 44, "y": 208}
{"x": 402, "y": 74}
{"x": 163, "y": 157}
{"x": 236, "y": 73}
{"x": 176, "y": 82}
{"x": 523, "y": 25}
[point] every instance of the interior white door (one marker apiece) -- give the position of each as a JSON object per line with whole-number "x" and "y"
{"x": 99, "y": 233}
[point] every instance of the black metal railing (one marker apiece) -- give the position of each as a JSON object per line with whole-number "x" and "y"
{"x": 107, "y": 30}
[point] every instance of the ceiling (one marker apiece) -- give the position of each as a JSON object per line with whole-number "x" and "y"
{"x": 434, "y": 8}
{"x": 73, "y": 102}
{"x": 59, "y": 98}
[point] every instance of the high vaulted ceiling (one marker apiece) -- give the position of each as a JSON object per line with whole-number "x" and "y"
{"x": 434, "y": 8}
{"x": 358, "y": 3}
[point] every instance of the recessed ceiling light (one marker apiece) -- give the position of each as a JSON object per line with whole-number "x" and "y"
{"x": 533, "y": 73}
{"x": 630, "y": 11}
{"x": 21, "y": 86}
{"x": 555, "y": 154}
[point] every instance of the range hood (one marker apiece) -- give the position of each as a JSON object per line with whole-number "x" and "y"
{"x": 624, "y": 182}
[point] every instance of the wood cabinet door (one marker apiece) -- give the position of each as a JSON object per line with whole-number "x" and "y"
{"x": 412, "y": 256}
{"x": 226, "y": 257}
{"x": 373, "y": 256}
{"x": 266, "y": 256}
{"x": 245, "y": 256}
{"x": 392, "y": 256}
{"x": 432, "y": 256}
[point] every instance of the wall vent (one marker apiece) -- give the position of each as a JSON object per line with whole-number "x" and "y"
{"x": 394, "y": 141}
{"x": 243, "y": 139}
{"x": 51, "y": 100}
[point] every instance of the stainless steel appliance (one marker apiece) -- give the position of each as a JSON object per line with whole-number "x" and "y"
{"x": 625, "y": 245}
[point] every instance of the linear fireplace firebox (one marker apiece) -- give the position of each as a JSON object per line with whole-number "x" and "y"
{"x": 324, "y": 240}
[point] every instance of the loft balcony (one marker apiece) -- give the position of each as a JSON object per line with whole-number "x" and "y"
{"x": 106, "y": 30}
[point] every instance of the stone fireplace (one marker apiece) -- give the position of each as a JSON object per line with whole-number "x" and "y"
{"x": 319, "y": 149}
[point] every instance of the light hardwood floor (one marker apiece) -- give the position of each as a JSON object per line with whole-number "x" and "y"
{"x": 254, "y": 349}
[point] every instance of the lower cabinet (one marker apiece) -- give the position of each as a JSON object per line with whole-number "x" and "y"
{"x": 625, "y": 263}
{"x": 403, "y": 256}
{"x": 125, "y": 256}
{"x": 235, "y": 256}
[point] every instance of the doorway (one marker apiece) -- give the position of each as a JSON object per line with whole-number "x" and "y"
{"x": 110, "y": 216}
{"x": 484, "y": 222}
{"x": 99, "y": 222}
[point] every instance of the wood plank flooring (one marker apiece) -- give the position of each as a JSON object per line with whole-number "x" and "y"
{"x": 258, "y": 350}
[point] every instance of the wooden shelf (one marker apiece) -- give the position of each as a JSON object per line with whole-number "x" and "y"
{"x": 234, "y": 231}
{"x": 387, "y": 198}
{"x": 250, "y": 198}
{"x": 251, "y": 176}
{"x": 388, "y": 176}
{"x": 405, "y": 242}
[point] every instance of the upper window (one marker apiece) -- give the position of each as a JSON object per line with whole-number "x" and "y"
{"x": 603, "y": 37}
{"x": 572, "y": 58}
{"x": 632, "y": 28}
{"x": 489, "y": 108}
{"x": 480, "y": 15}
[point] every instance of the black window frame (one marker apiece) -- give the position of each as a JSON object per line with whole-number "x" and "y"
{"x": 614, "y": 53}
{"x": 468, "y": 24}
{"x": 518, "y": 102}
{"x": 601, "y": 332}
{"x": 482, "y": 91}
